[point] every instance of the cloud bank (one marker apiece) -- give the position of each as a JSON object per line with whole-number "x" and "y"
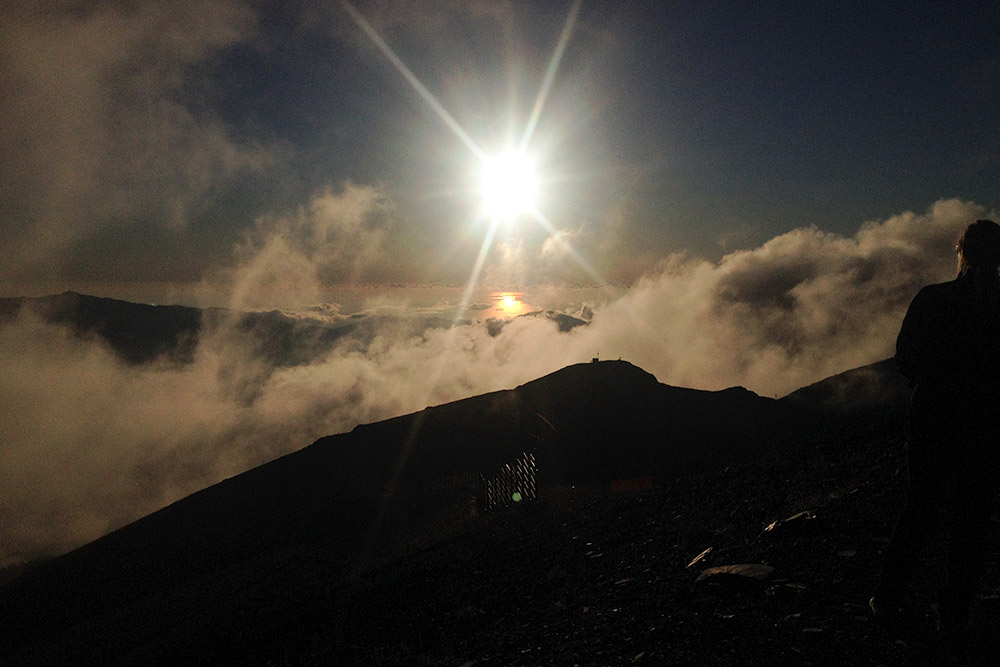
{"x": 90, "y": 443}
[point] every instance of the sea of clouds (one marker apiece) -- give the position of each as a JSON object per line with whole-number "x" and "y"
{"x": 91, "y": 442}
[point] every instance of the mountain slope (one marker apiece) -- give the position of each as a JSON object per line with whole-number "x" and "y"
{"x": 348, "y": 503}
{"x": 872, "y": 396}
{"x": 634, "y": 578}
{"x": 364, "y": 494}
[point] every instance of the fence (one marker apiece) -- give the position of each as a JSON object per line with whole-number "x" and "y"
{"x": 512, "y": 484}
{"x": 501, "y": 489}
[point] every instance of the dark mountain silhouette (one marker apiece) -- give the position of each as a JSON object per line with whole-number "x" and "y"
{"x": 139, "y": 333}
{"x": 357, "y": 501}
{"x": 865, "y": 401}
{"x": 565, "y": 322}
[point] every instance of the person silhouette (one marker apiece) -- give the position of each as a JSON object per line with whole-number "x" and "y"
{"x": 949, "y": 349}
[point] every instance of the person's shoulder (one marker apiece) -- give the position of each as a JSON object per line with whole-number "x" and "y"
{"x": 946, "y": 286}
{"x": 938, "y": 290}
{"x": 933, "y": 299}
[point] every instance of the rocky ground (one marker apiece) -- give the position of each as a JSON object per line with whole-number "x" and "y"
{"x": 586, "y": 577}
{"x": 590, "y": 577}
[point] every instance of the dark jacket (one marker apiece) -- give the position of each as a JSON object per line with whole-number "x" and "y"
{"x": 949, "y": 349}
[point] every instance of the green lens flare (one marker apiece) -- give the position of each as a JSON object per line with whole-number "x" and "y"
{"x": 516, "y": 497}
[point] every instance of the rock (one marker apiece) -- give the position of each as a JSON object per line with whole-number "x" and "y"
{"x": 755, "y": 571}
{"x": 798, "y": 525}
{"x": 699, "y": 557}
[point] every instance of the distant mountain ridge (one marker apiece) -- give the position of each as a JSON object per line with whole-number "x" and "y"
{"x": 137, "y": 332}
{"x": 362, "y": 497}
{"x": 142, "y": 333}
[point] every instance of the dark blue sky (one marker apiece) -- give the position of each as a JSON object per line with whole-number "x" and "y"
{"x": 143, "y": 143}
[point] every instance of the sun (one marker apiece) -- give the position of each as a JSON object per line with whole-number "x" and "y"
{"x": 508, "y": 185}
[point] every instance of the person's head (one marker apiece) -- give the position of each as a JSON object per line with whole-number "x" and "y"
{"x": 979, "y": 248}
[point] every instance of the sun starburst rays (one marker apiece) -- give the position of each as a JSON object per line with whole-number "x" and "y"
{"x": 550, "y": 75}
{"x": 508, "y": 186}
{"x": 509, "y": 182}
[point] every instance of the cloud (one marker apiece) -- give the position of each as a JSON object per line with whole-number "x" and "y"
{"x": 804, "y": 305}
{"x": 103, "y": 120}
{"x": 90, "y": 443}
{"x": 557, "y": 245}
{"x": 338, "y": 238}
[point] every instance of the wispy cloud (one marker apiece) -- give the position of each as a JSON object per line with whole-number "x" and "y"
{"x": 102, "y": 119}
{"x": 338, "y": 238}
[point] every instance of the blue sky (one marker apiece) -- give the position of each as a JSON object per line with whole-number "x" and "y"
{"x": 149, "y": 144}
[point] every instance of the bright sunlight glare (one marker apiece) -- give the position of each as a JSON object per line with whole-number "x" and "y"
{"x": 508, "y": 185}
